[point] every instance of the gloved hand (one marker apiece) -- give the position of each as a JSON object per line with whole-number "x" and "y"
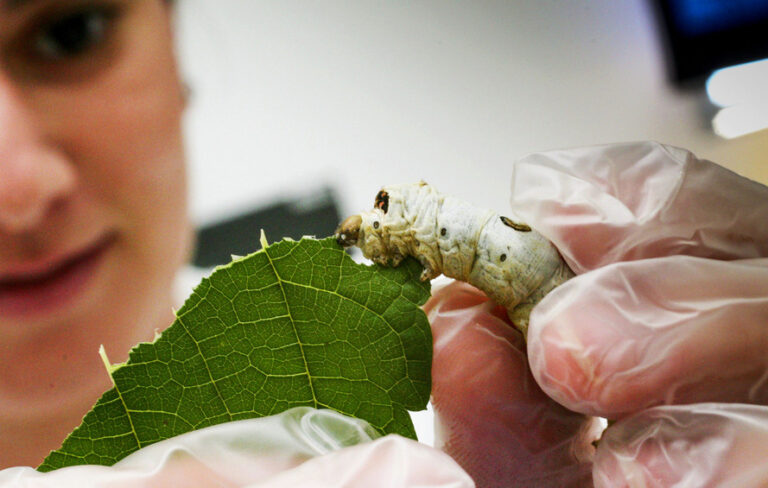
{"x": 670, "y": 308}
{"x": 492, "y": 417}
{"x": 300, "y": 447}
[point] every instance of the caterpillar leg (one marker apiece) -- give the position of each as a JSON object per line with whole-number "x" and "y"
{"x": 520, "y": 316}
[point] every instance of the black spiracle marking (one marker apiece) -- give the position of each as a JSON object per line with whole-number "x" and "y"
{"x": 382, "y": 201}
{"x": 515, "y": 225}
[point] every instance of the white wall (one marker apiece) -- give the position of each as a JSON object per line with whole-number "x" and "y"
{"x": 357, "y": 94}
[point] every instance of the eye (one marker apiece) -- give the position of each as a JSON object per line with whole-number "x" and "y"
{"x": 72, "y": 33}
{"x": 68, "y": 41}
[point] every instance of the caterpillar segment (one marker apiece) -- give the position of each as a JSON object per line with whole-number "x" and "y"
{"x": 510, "y": 262}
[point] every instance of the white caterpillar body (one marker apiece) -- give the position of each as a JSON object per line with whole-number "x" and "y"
{"x": 513, "y": 264}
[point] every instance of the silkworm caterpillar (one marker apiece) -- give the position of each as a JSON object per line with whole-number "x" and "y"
{"x": 512, "y": 263}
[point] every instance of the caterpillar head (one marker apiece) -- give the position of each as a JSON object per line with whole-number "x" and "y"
{"x": 348, "y": 232}
{"x": 386, "y": 233}
{"x": 356, "y": 227}
{"x": 365, "y": 230}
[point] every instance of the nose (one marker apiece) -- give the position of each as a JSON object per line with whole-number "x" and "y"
{"x": 34, "y": 175}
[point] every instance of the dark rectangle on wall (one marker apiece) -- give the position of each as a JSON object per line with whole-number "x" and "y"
{"x": 316, "y": 215}
{"x": 702, "y": 36}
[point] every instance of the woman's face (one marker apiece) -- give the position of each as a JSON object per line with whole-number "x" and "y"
{"x": 93, "y": 220}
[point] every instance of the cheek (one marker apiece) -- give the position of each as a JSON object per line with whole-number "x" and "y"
{"x": 130, "y": 139}
{"x": 126, "y": 144}
{"x": 137, "y": 166}
{"x": 132, "y": 162}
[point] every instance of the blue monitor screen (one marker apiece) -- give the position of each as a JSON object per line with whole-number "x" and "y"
{"x": 695, "y": 17}
{"x": 704, "y": 35}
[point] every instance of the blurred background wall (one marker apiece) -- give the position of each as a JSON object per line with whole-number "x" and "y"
{"x": 290, "y": 97}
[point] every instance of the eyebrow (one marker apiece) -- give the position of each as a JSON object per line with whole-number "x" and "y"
{"x": 14, "y": 4}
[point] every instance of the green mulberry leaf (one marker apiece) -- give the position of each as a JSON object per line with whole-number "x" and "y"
{"x": 295, "y": 324}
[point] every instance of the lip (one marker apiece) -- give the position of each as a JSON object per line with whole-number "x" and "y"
{"x": 48, "y": 285}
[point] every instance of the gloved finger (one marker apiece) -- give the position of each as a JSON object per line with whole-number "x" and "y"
{"x": 231, "y": 454}
{"x": 391, "y": 461}
{"x": 492, "y": 417}
{"x": 703, "y": 445}
{"x": 659, "y": 331}
{"x": 605, "y": 204}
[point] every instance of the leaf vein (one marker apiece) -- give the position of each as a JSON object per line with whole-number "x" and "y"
{"x": 361, "y": 305}
{"x": 207, "y": 366}
{"x": 128, "y": 414}
{"x": 293, "y": 324}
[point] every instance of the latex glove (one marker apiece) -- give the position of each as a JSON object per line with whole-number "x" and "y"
{"x": 671, "y": 307}
{"x": 300, "y": 447}
{"x": 491, "y": 415}
{"x": 699, "y": 445}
